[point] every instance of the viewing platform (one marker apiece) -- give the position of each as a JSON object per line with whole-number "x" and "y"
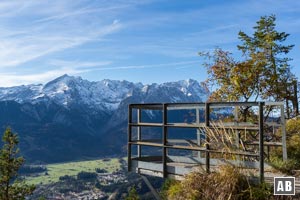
{"x": 173, "y": 139}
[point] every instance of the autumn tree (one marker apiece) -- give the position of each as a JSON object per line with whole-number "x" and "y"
{"x": 264, "y": 72}
{"x": 11, "y": 188}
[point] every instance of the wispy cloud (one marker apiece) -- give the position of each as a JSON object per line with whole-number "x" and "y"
{"x": 82, "y": 11}
{"x": 78, "y": 64}
{"x": 172, "y": 64}
{"x": 7, "y": 80}
{"x": 75, "y": 68}
{"x": 28, "y": 40}
{"x": 16, "y": 51}
{"x": 40, "y": 40}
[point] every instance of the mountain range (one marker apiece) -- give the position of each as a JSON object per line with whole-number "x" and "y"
{"x": 71, "y": 118}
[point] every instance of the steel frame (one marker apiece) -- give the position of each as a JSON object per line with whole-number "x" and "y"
{"x": 160, "y": 165}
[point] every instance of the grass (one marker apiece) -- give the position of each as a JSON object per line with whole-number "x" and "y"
{"x": 72, "y": 169}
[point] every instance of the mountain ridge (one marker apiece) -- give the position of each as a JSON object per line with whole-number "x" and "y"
{"x": 93, "y": 93}
{"x": 70, "y": 118}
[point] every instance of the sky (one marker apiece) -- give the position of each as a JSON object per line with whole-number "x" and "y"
{"x": 148, "y": 41}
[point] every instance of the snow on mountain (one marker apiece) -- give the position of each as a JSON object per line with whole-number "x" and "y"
{"x": 102, "y": 95}
{"x": 70, "y": 117}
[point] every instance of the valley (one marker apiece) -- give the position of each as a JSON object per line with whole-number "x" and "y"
{"x": 93, "y": 179}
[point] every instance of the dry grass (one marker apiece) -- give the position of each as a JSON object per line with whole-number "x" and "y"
{"x": 228, "y": 183}
{"x": 225, "y": 140}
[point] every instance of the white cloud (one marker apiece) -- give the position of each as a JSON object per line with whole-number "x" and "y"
{"x": 15, "y": 51}
{"x": 67, "y": 67}
{"x": 172, "y": 64}
{"x": 34, "y": 29}
{"x": 7, "y": 80}
{"x": 78, "y": 64}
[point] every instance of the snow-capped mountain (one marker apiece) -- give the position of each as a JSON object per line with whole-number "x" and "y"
{"x": 70, "y": 117}
{"x": 104, "y": 95}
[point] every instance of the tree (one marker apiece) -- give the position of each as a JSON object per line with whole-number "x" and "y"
{"x": 235, "y": 81}
{"x": 132, "y": 195}
{"x": 267, "y": 52}
{"x": 11, "y": 188}
{"x": 264, "y": 72}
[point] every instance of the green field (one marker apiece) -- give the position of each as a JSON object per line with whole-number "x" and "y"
{"x": 72, "y": 169}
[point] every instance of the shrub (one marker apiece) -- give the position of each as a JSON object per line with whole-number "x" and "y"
{"x": 132, "y": 194}
{"x": 293, "y": 148}
{"x": 285, "y": 166}
{"x": 99, "y": 170}
{"x": 225, "y": 184}
{"x": 87, "y": 176}
{"x": 228, "y": 183}
{"x": 166, "y": 188}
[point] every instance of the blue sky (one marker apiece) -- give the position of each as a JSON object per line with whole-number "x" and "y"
{"x": 136, "y": 40}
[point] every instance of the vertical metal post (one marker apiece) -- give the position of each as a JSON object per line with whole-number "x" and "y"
{"x": 164, "y": 139}
{"x": 139, "y": 117}
{"x": 284, "y": 151}
{"x": 198, "y": 130}
{"x": 261, "y": 141}
{"x": 236, "y": 119}
{"x": 129, "y": 138}
{"x": 207, "y": 156}
{"x": 295, "y": 99}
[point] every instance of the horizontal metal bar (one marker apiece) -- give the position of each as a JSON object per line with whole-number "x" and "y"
{"x": 185, "y": 107}
{"x": 270, "y": 103}
{"x": 234, "y": 153}
{"x": 265, "y": 143}
{"x": 146, "y": 144}
{"x": 227, "y": 104}
{"x": 196, "y": 104}
{"x": 146, "y": 124}
{"x": 195, "y": 125}
{"x": 147, "y": 106}
{"x": 193, "y": 148}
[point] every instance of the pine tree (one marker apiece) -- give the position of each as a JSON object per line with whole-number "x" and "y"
{"x": 132, "y": 195}
{"x": 11, "y": 188}
{"x": 263, "y": 73}
{"x": 266, "y": 50}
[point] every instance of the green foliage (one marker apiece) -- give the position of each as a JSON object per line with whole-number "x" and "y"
{"x": 55, "y": 171}
{"x": 260, "y": 191}
{"x": 264, "y": 72}
{"x": 168, "y": 187}
{"x": 293, "y": 126}
{"x": 286, "y": 166}
{"x": 99, "y": 170}
{"x": 132, "y": 194}
{"x": 87, "y": 176}
{"x": 293, "y": 148}
{"x": 10, "y": 187}
{"x": 265, "y": 49}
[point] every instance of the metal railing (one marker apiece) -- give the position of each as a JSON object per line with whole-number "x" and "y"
{"x": 165, "y": 144}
